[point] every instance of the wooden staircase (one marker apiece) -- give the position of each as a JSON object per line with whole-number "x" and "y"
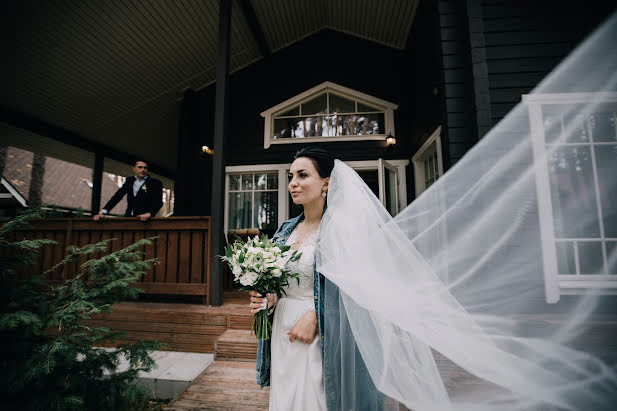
{"x": 229, "y": 383}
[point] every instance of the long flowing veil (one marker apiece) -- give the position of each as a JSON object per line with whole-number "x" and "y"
{"x": 488, "y": 291}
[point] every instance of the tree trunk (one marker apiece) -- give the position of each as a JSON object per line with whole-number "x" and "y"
{"x": 35, "y": 192}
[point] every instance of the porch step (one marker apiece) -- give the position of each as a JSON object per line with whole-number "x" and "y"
{"x": 183, "y": 327}
{"x": 236, "y": 345}
{"x": 225, "y": 385}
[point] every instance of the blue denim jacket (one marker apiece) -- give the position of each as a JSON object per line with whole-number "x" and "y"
{"x": 363, "y": 395}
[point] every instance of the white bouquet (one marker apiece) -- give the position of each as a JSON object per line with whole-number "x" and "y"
{"x": 261, "y": 265}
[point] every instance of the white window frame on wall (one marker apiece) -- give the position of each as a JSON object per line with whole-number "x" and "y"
{"x": 283, "y": 169}
{"x": 346, "y": 92}
{"x": 561, "y": 284}
{"x": 280, "y": 169}
{"x": 421, "y": 155}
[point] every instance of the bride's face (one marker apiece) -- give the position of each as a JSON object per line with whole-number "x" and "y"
{"x": 305, "y": 183}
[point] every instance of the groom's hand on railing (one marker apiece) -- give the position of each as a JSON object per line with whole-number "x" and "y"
{"x": 144, "y": 216}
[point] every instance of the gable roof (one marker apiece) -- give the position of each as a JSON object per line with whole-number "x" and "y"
{"x": 329, "y": 86}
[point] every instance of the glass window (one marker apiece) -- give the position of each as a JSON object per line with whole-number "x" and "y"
{"x": 329, "y": 115}
{"x": 58, "y": 185}
{"x": 253, "y": 201}
{"x": 581, "y": 146}
{"x": 427, "y": 161}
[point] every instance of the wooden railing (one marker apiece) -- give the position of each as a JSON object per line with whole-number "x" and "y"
{"x": 182, "y": 249}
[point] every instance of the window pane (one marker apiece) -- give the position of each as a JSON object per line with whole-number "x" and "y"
{"x": 566, "y": 263}
{"x": 370, "y": 124}
{"x": 590, "y": 257}
{"x": 391, "y": 188}
{"x": 266, "y": 210}
{"x": 575, "y": 127}
{"x": 234, "y": 181}
{"x": 340, "y": 104}
{"x": 260, "y": 181}
{"x": 247, "y": 181}
{"x": 313, "y": 127}
{"x": 363, "y": 108}
{"x": 431, "y": 170}
{"x": 273, "y": 179}
{"x": 606, "y": 157}
{"x": 343, "y": 125}
{"x": 572, "y": 193}
{"x": 315, "y": 106}
{"x": 552, "y": 127}
{"x": 604, "y": 126}
{"x": 287, "y": 128}
{"x": 293, "y": 112}
{"x": 611, "y": 255}
{"x": 240, "y": 210}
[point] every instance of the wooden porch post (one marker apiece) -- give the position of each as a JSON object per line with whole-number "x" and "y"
{"x": 221, "y": 129}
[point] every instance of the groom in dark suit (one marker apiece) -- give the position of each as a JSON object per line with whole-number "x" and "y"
{"x": 144, "y": 195}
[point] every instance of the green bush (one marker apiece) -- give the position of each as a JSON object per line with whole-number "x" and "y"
{"x": 49, "y": 360}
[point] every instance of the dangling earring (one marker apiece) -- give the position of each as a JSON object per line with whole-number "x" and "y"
{"x": 324, "y": 193}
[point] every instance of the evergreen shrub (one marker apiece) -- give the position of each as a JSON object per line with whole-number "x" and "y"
{"x": 50, "y": 359}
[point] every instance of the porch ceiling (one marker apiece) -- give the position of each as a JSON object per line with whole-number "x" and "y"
{"x": 114, "y": 71}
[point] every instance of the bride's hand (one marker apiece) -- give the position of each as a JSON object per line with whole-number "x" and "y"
{"x": 305, "y": 329}
{"x": 257, "y": 301}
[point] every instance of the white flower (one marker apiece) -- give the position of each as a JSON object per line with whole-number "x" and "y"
{"x": 237, "y": 270}
{"x": 276, "y": 272}
{"x": 249, "y": 278}
{"x": 280, "y": 263}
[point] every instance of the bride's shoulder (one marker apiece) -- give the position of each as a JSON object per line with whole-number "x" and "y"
{"x": 287, "y": 227}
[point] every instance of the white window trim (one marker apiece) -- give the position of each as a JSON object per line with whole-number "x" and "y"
{"x": 281, "y": 169}
{"x": 418, "y": 161}
{"x": 270, "y": 113}
{"x": 560, "y": 284}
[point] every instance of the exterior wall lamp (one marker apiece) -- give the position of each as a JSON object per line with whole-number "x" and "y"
{"x": 390, "y": 140}
{"x": 207, "y": 150}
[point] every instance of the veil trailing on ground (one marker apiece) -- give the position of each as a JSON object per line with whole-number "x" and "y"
{"x": 486, "y": 292}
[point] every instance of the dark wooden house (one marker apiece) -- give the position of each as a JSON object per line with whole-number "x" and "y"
{"x": 219, "y": 94}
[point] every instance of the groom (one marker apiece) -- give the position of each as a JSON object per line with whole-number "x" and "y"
{"x": 143, "y": 193}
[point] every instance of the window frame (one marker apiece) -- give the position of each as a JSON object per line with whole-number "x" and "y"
{"x": 382, "y": 105}
{"x": 557, "y": 284}
{"x": 283, "y": 169}
{"x": 421, "y": 155}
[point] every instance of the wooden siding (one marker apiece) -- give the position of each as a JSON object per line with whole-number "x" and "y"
{"x": 526, "y": 40}
{"x": 459, "y": 128}
{"x": 181, "y": 249}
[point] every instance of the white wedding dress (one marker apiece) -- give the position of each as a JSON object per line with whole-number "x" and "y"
{"x": 296, "y": 372}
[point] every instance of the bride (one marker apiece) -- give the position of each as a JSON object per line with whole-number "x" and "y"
{"x": 296, "y": 376}
{"x": 446, "y": 305}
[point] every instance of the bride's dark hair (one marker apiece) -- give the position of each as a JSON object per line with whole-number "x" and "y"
{"x": 321, "y": 158}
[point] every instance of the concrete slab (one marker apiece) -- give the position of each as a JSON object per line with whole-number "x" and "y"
{"x": 173, "y": 373}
